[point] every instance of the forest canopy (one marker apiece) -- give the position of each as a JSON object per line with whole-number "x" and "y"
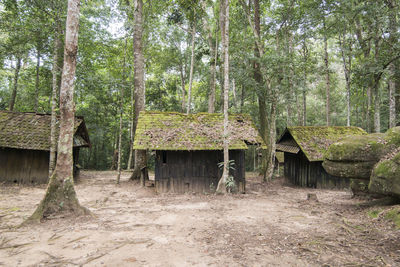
{"x": 305, "y": 62}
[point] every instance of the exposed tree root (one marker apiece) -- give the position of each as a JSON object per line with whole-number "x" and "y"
{"x": 60, "y": 198}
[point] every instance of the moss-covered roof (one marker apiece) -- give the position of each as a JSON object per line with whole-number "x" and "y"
{"x": 314, "y": 141}
{"x": 32, "y": 131}
{"x": 201, "y": 131}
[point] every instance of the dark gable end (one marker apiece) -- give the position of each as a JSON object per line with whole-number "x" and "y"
{"x": 31, "y": 131}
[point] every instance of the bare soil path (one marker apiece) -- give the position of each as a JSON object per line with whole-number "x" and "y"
{"x": 272, "y": 225}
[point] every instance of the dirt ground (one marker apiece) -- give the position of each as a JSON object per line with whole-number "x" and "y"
{"x": 271, "y": 225}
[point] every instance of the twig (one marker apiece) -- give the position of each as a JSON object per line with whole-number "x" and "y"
{"x": 16, "y": 246}
{"x": 76, "y": 239}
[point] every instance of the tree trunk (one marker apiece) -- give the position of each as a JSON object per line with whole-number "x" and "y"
{"x": 55, "y": 89}
{"x": 37, "y": 79}
{"x": 272, "y": 141}
{"x": 140, "y": 155}
{"x": 60, "y": 194}
{"x": 225, "y": 45}
{"x": 369, "y": 105}
{"x": 327, "y": 79}
{"x": 15, "y": 88}
{"x": 393, "y": 83}
{"x": 131, "y": 129}
{"x": 347, "y": 78}
{"x": 242, "y": 97}
{"x": 304, "y": 117}
{"x": 377, "y": 111}
{"x": 304, "y": 92}
{"x": 191, "y": 69}
{"x": 121, "y": 112}
{"x": 211, "y": 94}
{"x": 392, "y": 100}
{"x": 183, "y": 85}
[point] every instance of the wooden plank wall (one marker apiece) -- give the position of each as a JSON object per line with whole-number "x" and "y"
{"x": 194, "y": 171}
{"x": 24, "y": 166}
{"x": 301, "y": 172}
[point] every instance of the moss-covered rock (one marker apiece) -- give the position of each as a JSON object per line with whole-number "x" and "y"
{"x": 385, "y": 177}
{"x": 349, "y": 169}
{"x": 362, "y": 148}
{"x": 392, "y": 137}
{"x": 359, "y": 186}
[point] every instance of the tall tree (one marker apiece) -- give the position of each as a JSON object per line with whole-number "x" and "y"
{"x": 55, "y": 89}
{"x": 189, "y": 102}
{"x": 140, "y": 155}
{"x": 15, "y": 87}
{"x": 213, "y": 55}
{"x": 327, "y": 76}
{"x": 121, "y": 113}
{"x": 394, "y": 83}
{"x": 221, "y": 188}
{"x": 60, "y": 194}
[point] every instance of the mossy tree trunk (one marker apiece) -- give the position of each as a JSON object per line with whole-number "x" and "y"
{"x": 221, "y": 188}
{"x": 60, "y": 195}
{"x": 140, "y": 155}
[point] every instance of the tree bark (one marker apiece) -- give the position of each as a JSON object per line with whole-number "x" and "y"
{"x": 327, "y": 79}
{"x": 346, "y": 68}
{"x": 131, "y": 129}
{"x": 140, "y": 155}
{"x": 225, "y": 45}
{"x": 377, "y": 110}
{"x": 37, "y": 79}
{"x": 15, "y": 88}
{"x": 211, "y": 94}
{"x": 183, "y": 85}
{"x": 60, "y": 194}
{"x": 55, "y": 89}
{"x": 394, "y": 79}
{"x": 377, "y": 99}
{"x": 392, "y": 99}
{"x": 271, "y": 142}
{"x": 191, "y": 69}
{"x": 121, "y": 112}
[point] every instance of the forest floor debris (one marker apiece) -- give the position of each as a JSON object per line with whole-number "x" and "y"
{"x": 271, "y": 225}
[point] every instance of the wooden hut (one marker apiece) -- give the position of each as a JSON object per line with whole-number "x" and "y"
{"x": 304, "y": 148}
{"x": 25, "y": 146}
{"x": 189, "y": 147}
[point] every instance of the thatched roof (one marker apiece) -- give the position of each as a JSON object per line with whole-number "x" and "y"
{"x": 313, "y": 141}
{"x": 202, "y": 131}
{"x": 32, "y": 131}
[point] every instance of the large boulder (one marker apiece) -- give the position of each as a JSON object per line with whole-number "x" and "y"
{"x": 385, "y": 177}
{"x": 392, "y": 138}
{"x": 349, "y": 169}
{"x": 369, "y": 161}
{"x": 358, "y": 148}
{"x": 354, "y": 156}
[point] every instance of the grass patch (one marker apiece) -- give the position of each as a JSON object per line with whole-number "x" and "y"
{"x": 374, "y": 213}
{"x": 394, "y": 216}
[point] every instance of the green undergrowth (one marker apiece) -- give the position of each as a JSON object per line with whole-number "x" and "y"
{"x": 393, "y": 215}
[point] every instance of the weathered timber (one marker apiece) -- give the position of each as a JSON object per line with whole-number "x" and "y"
{"x": 195, "y": 171}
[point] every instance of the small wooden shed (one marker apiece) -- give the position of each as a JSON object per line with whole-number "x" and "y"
{"x": 189, "y": 148}
{"x": 304, "y": 148}
{"x": 25, "y": 146}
